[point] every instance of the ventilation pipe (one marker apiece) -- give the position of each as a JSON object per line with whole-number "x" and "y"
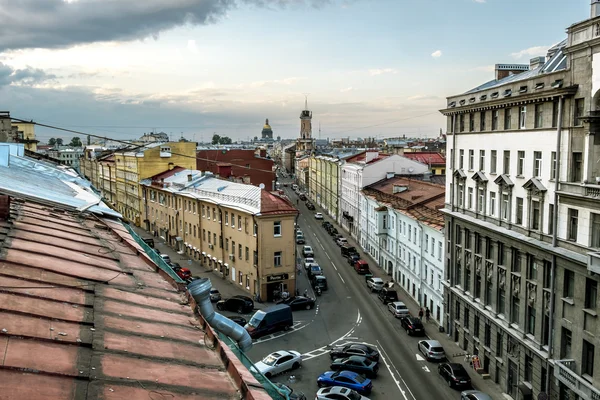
{"x": 200, "y": 291}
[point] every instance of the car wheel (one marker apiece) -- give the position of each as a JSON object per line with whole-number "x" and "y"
{"x": 240, "y": 310}
{"x": 308, "y": 306}
{"x": 296, "y": 365}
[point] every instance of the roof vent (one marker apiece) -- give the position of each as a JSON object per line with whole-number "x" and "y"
{"x": 557, "y": 84}
{"x": 399, "y": 189}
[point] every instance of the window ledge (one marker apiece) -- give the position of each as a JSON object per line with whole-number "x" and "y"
{"x": 498, "y": 359}
{"x": 568, "y": 300}
{"x": 520, "y": 177}
{"x": 587, "y": 378}
{"x": 501, "y": 316}
{"x": 467, "y": 331}
{"x": 591, "y": 312}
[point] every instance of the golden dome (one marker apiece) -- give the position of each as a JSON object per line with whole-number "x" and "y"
{"x": 267, "y": 126}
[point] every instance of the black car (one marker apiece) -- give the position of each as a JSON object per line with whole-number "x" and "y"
{"x": 354, "y": 349}
{"x": 239, "y": 304}
{"x": 454, "y": 374}
{"x": 310, "y": 206}
{"x": 413, "y": 326}
{"x": 238, "y": 320}
{"x": 359, "y": 364}
{"x": 353, "y": 258}
{"x": 302, "y": 197}
{"x": 325, "y": 224}
{"x": 299, "y": 303}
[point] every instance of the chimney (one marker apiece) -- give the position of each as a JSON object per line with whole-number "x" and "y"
{"x": 390, "y": 175}
{"x": 246, "y": 179}
{"x": 536, "y": 62}
{"x": 504, "y": 70}
{"x": 595, "y": 9}
{"x": 4, "y": 208}
{"x": 370, "y": 156}
{"x": 189, "y": 177}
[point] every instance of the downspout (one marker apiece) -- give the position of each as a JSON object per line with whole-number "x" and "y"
{"x": 451, "y": 234}
{"x": 257, "y": 260}
{"x": 200, "y": 291}
{"x": 554, "y": 243}
{"x": 222, "y": 238}
{"x": 421, "y": 294}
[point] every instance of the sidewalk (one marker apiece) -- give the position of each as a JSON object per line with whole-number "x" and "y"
{"x": 452, "y": 349}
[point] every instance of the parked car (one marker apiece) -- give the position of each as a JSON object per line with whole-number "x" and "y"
{"x": 308, "y": 261}
{"x": 431, "y": 349}
{"x": 307, "y": 251}
{"x": 334, "y": 232}
{"x": 238, "y": 320}
{"x": 300, "y": 238}
{"x": 318, "y": 215}
{"x": 166, "y": 258}
{"x": 294, "y": 186}
{"x": 454, "y": 374}
{"x": 278, "y": 362}
{"x": 398, "y": 309}
{"x": 319, "y": 281}
{"x": 325, "y": 224}
{"x": 239, "y": 304}
{"x": 338, "y": 393}
{"x": 361, "y": 267}
{"x": 302, "y": 197}
{"x": 341, "y": 241}
{"x": 215, "y": 295}
{"x": 353, "y": 258}
{"x": 347, "y": 250}
{"x": 375, "y": 284}
{"x": 474, "y": 395}
{"x": 359, "y": 364}
{"x": 388, "y": 295}
{"x": 272, "y": 319}
{"x": 299, "y": 303}
{"x": 354, "y": 349}
{"x": 314, "y": 270}
{"x": 348, "y": 379}
{"x": 412, "y": 325}
{"x": 310, "y": 206}
{"x": 183, "y": 273}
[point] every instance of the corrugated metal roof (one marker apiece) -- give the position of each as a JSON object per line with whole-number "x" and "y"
{"x": 47, "y": 183}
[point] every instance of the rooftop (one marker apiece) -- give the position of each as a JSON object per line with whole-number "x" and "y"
{"x": 361, "y": 158}
{"x": 427, "y": 157}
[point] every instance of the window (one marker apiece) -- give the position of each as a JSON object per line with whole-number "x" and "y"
{"x": 226, "y": 218}
{"x": 595, "y": 230}
{"x": 232, "y": 220}
{"x": 550, "y": 217}
{"x": 516, "y": 309}
{"x": 532, "y": 267}
{"x": 528, "y": 375}
{"x": 505, "y": 205}
{"x": 499, "y": 344}
{"x": 507, "y": 118}
{"x": 214, "y": 214}
{"x": 579, "y": 105}
{"x": 492, "y": 203}
{"x": 482, "y": 121}
{"x": 277, "y": 228}
{"x": 204, "y": 234}
{"x": 203, "y": 211}
{"x": 495, "y": 115}
{"x": 461, "y": 159}
{"x": 426, "y": 241}
{"x": 587, "y": 358}
{"x": 240, "y": 249}
{"x": 591, "y": 293}
{"x": 506, "y": 165}
{"x": 247, "y": 254}
{"x": 239, "y": 222}
{"x": 470, "y": 198}
{"x": 522, "y": 116}
{"x": 487, "y": 335}
{"x": 432, "y": 246}
{"x": 519, "y": 216}
{"x": 476, "y": 326}
{"x": 539, "y": 115}
{"x": 531, "y": 320}
{"x": 226, "y": 244}
{"x": 471, "y": 159}
{"x": 467, "y": 317}
{"x": 537, "y": 164}
{"x": 480, "y": 199}
{"x": 565, "y": 343}
{"x": 535, "y": 214}
{"x": 481, "y": 160}
{"x": 440, "y": 250}
{"x": 520, "y": 162}
{"x": 573, "y": 216}
{"x": 246, "y": 224}
{"x": 214, "y": 238}
{"x": 516, "y": 260}
{"x": 568, "y": 284}
{"x": 555, "y": 113}
{"x": 493, "y": 161}
{"x": 547, "y": 279}
{"x": 553, "y": 165}
{"x": 462, "y": 122}
{"x": 277, "y": 259}
{"x": 577, "y": 166}
{"x": 471, "y": 122}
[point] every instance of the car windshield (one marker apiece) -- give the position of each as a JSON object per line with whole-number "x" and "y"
{"x": 270, "y": 359}
{"x": 256, "y": 319}
{"x": 359, "y": 378}
{"x": 354, "y": 395}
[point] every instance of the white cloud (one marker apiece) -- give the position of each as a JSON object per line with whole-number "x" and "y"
{"x": 381, "y": 71}
{"x": 345, "y": 90}
{"x": 191, "y": 45}
{"x": 436, "y": 54}
{"x": 531, "y": 52}
{"x": 479, "y": 1}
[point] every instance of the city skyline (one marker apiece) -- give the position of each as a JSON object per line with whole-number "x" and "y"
{"x": 199, "y": 66}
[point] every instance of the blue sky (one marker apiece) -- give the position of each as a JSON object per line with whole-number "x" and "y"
{"x": 370, "y": 68}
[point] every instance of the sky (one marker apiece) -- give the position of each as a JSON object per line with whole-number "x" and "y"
{"x": 193, "y": 68}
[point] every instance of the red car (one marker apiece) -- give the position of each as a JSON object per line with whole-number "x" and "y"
{"x": 183, "y": 273}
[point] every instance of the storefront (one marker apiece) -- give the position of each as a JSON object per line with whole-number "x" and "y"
{"x": 276, "y": 284}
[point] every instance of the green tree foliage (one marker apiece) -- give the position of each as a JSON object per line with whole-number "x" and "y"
{"x": 75, "y": 142}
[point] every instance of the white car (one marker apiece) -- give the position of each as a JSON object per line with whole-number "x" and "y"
{"x": 319, "y": 216}
{"x": 338, "y": 393}
{"x": 278, "y": 362}
{"x": 375, "y": 284}
{"x": 308, "y": 261}
{"x": 399, "y": 309}
{"x": 307, "y": 251}
{"x": 342, "y": 241}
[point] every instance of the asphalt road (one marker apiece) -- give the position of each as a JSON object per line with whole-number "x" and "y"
{"x": 348, "y": 312}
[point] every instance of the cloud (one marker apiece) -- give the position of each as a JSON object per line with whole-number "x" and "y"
{"x": 436, "y": 54}
{"x": 531, "y": 52}
{"x": 422, "y": 97}
{"x": 191, "y": 45}
{"x": 479, "y": 1}
{"x": 381, "y": 71}
{"x": 59, "y": 23}
{"x": 346, "y": 90}
{"x": 26, "y": 76}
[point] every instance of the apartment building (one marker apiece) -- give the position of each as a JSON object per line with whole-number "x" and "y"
{"x": 239, "y": 230}
{"x": 402, "y": 228}
{"x": 522, "y": 201}
{"x": 324, "y": 182}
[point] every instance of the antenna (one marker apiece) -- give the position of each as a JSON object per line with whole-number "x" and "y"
{"x": 319, "y": 130}
{"x": 306, "y": 100}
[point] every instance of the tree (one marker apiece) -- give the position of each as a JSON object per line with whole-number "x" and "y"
{"x": 76, "y": 142}
{"x": 225, "y": 140}
{"x": 216, "y": 139}
{"x": 51, "y": 142}
{"x": 59, "y": 141}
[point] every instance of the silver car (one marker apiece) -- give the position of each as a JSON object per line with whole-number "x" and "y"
{"x": 215, "y": 295}
{"x": 399, "y": 309}
{"x": 474, "y": 395}
{"x": 431, "y": 349}
{"x": 375, "y": 284}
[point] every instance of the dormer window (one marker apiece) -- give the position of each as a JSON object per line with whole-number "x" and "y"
{"x": 472, "y": 100}
{"x": 507, "y": 92}
{"x": 494, "y": 95}
{"x": 452, "y": 104}
{"x": 483, "y": 97}
{"x": 165, "y": 151}
{"x": 523, "y": 89}
{"x": 539, "y": 86}
{"x": 462, "y": 102}
{"x": 557, "y": 84}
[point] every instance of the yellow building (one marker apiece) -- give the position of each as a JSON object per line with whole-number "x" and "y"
{"x": 28, "y": 134}
{"x": 239, "y": 230}
{"x": 323, "y": 183}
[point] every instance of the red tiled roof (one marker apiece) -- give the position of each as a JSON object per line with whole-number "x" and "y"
{"x": 361, "y": 157}
{"x": 272, "y": 203}
{"x": 85, "y": 315}
{"x": 168, "y": 173}
{"x": 427, "y": 157}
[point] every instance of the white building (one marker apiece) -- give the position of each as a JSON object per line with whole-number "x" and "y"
{"x": 402, "y": 228}
{"x": 362, "y": 170}
{"x": 67, "y": 155}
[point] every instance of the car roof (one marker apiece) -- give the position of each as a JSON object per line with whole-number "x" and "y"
{"x": 348, "y": 374}
{"x": 435, "y": 343}
{"x": 478, "y": 394}
{"x": 307, "y": 247}
{"x": 357, "y": 358}
{"x": 280, "y": 353}
{"x": 375, "y": 279}
{"x": 398, "y": 303}
{"x": 239, "y": 296}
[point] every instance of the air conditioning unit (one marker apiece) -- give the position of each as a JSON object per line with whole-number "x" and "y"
{"x": 232, "y": 257}
{"x": 211, "y": 246}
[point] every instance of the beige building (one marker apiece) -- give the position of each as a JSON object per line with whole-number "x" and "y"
{"x": 324, "y": 182}
{"x": 240, "y": 230}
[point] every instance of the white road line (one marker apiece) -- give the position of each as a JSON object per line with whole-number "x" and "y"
{"x": 328, "y": 256}
{"x": 322, "y": 246}
{"x": 334, "y": 266}
{"x": 358, "y": 318}
{"x": 271, "y": 337}
{"x": 389, "y": 367}
{"x": 341, "y": 278}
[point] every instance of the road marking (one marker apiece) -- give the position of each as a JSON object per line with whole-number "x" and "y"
{"x": 328, "y": 256}
{"x": 325, "y": 349}
{"x": 322, "y": 246}
{"x": 295, "y": 328}
{"x": 344, "y": 282}
{"x": 334, "y": 266}
{"x": 419, "y": 358}
{"x": 389, "y": 366}
{"x": 426, "y": 369}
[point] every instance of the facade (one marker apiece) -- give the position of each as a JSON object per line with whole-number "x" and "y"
{"x": 22, "y": 132}
{"x": 522, "y": 218}
{"x": 435, "y": 161}
{"x": 324, "y": 182}
{"x": 402, "y": 229}
{"x": 67, "y": 155}
{"x": 364, "y": 169}
{"x": 240, "y": 230}
{"x": 245, "y": 165}
{"x": 27, "y": 135}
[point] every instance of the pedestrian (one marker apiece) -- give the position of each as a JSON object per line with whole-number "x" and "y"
{"x": 427, "y": 314}
{"x": 421, "y": 314}
{"x": 305, "y": 292}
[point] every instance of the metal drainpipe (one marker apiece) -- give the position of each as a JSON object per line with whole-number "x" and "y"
{"x": 421, "y": 294}
{"x": 257, "y": 255}
{"x": 200, "y": 291}
{"x": 451, "y": 236}
{"x": 554, "y": 242}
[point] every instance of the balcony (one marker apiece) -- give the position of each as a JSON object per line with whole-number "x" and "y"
{"x": 565, "y": 373}
{"x": 586, "y": 191}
